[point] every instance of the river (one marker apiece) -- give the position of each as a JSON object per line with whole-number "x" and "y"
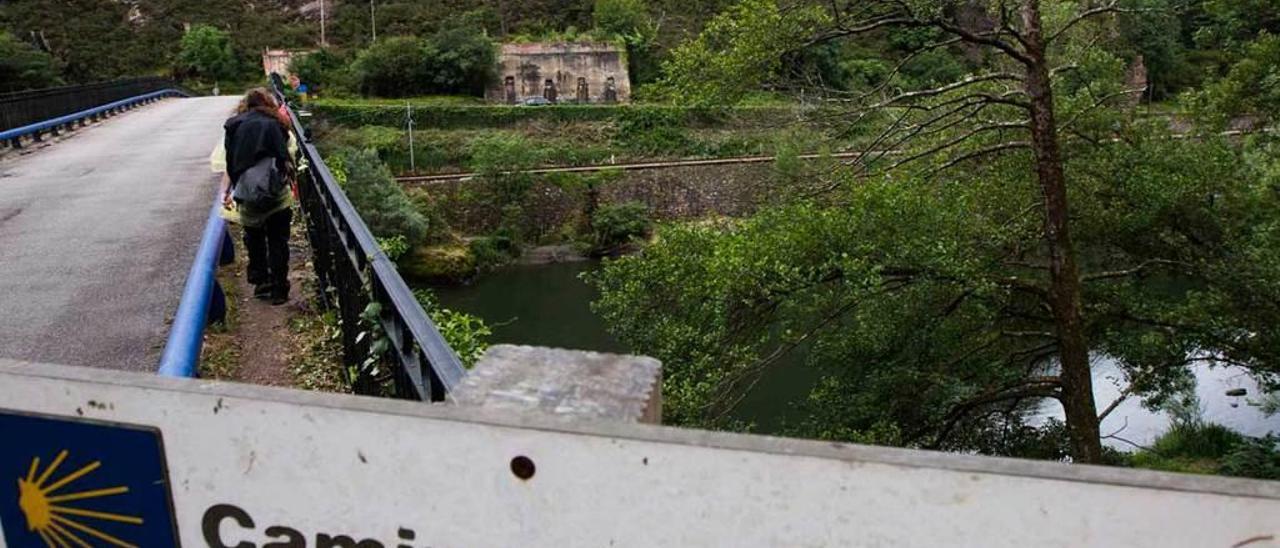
{"x": 550, "y": 305}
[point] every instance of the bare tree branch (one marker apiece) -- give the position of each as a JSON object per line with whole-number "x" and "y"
{"x": 982, "y": 152}
{"x": 1129, "y": 271}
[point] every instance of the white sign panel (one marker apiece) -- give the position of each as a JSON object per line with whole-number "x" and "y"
{"x": 118, "y": 459}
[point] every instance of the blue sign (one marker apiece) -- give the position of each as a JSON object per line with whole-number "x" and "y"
{"x": 74, "y": 482}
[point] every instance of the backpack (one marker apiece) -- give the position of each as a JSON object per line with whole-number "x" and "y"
{"x": 260, "y": 186}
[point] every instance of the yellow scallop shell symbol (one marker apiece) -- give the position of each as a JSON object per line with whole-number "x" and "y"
{"x": 59, "y": 525}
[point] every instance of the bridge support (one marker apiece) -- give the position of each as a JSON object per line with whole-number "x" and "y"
{"x": 569, "y": 383}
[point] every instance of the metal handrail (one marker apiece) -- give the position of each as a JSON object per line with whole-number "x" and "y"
{"x": 347, "y": 254}
{"x": 181, "y": 356}
{"x": 81, "y": 88}
{"x": 14, "y": 134}
{"x": 25, "y": 108}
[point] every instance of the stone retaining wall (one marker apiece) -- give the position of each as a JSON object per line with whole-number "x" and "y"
{"x": 677, "y": 193}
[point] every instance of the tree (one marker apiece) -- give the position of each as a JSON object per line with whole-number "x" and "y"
{"x": 620, "y": 17}
{"x": 462, "y": 59}
{"x": 321, "y": 69}
{"x": 394, "y": 67}
{"x": 24, "y": 67}
{"x": 1041, "y": 81}
{"x": 382, "y": 203}
{"x": 1251, "y": 86}
{"x": 206, "y": 51}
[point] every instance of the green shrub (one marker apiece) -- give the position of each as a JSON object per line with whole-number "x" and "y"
{"x": 494, "y": 251}
{"x": 1254, "y": 458}
{"x": 206, "y": 52}
{"x": 423, "y": 203}
{"x": 394, "y": 247}
{"x": 394, "y": 67}
{"x": 458, "y": 59}
{"x": 499, "y": 161}
{"x": 380, "y": 200}
{"x": 25, "y": 67}
{"x": 462, "y": 59}
{"x": 322, "y": 71}
{"x": 652, "y": 131}
{"x": 466, "y": 334}
{"x": 448, "y": 263}
{"x": 432, "y": 113}
{"x": 1206, "y": 448}
{"x": 1197, "y": 441}
{"x": 617, "y": 224}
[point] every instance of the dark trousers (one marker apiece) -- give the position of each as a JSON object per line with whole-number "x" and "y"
{"x": 268, "y": 247}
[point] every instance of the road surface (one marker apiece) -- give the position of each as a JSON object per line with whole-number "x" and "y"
{"x": 97, "y": 233}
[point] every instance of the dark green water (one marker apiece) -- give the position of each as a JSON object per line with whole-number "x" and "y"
{"x": 550, "y": 305}
{"x": 540, "y": 305}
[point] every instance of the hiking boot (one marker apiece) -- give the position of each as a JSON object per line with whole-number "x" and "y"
{"x": 263, "y": 291}
{"x": 280, "y": 294}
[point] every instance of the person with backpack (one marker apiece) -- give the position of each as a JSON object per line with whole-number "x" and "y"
{"x": 255, "y": 187}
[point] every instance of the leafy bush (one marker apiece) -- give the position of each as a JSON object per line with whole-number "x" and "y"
{"x": 1254, "y": 458}
{"x": 620, "y": 17}
{"x": 1251, "y": 87}
{"x": 437, "y": 115}
{"x": 440, "y": 231}
{"x": 493, "y": 251}
{"x": 466, "y": 334}
{"x": 206, "y": 51}
{"x": 1206, "y": 448}
{"x": 1197, "y": 441}
{"x": 617, "y": 224}
{"x": 394, "y": 67}
{"x": 321, "y": 71}
{"x": 394, "y": 247}
{"x": 24, "y": 67}
{"x": 461, "y": 60}
{"x": 380, "y": 200}
{"x": 651, "y": 131}
{"x": 453, "y": 60}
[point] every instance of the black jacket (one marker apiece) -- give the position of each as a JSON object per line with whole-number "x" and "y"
{"x": 252, "y": 136}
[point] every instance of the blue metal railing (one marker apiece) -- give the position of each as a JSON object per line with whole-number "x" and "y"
{"x": 14, "y": 136}
{"x": 181, "y": 356}
{"x": 20, "y": 108}
{"x": 357, "y": 278}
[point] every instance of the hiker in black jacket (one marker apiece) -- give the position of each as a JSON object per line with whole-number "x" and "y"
{"x": 257, "y": 132}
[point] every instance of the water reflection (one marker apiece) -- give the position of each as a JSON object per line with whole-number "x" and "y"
{"x": 549, "y": 305}
{"x": 1137, "y": 424}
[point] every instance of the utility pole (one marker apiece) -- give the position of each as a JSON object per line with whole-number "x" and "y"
{"x": 373, "y": 22}
{"x": 323, "y": 41}
{"x": 408, "y": 113}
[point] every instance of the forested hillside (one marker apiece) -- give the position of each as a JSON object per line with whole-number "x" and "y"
{"x": 1181, "y": 41}
{"x": 89, "y": 40}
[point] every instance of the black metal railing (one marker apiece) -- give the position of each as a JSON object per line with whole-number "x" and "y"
{"x": 374, "y": 305}
{"x": 21, "y": 108}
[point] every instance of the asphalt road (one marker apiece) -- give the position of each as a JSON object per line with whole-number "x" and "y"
{"x": 98, "y": 231}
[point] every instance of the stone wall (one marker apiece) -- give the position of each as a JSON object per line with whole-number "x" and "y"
{"x": 677, "y": 193}
{"x": 561, "y": 72}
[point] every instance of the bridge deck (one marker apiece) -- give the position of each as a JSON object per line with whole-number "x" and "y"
{"x": 97, "y": 234}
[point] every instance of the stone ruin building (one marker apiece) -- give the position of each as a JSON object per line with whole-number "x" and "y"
{"x": 578, "y": 72}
